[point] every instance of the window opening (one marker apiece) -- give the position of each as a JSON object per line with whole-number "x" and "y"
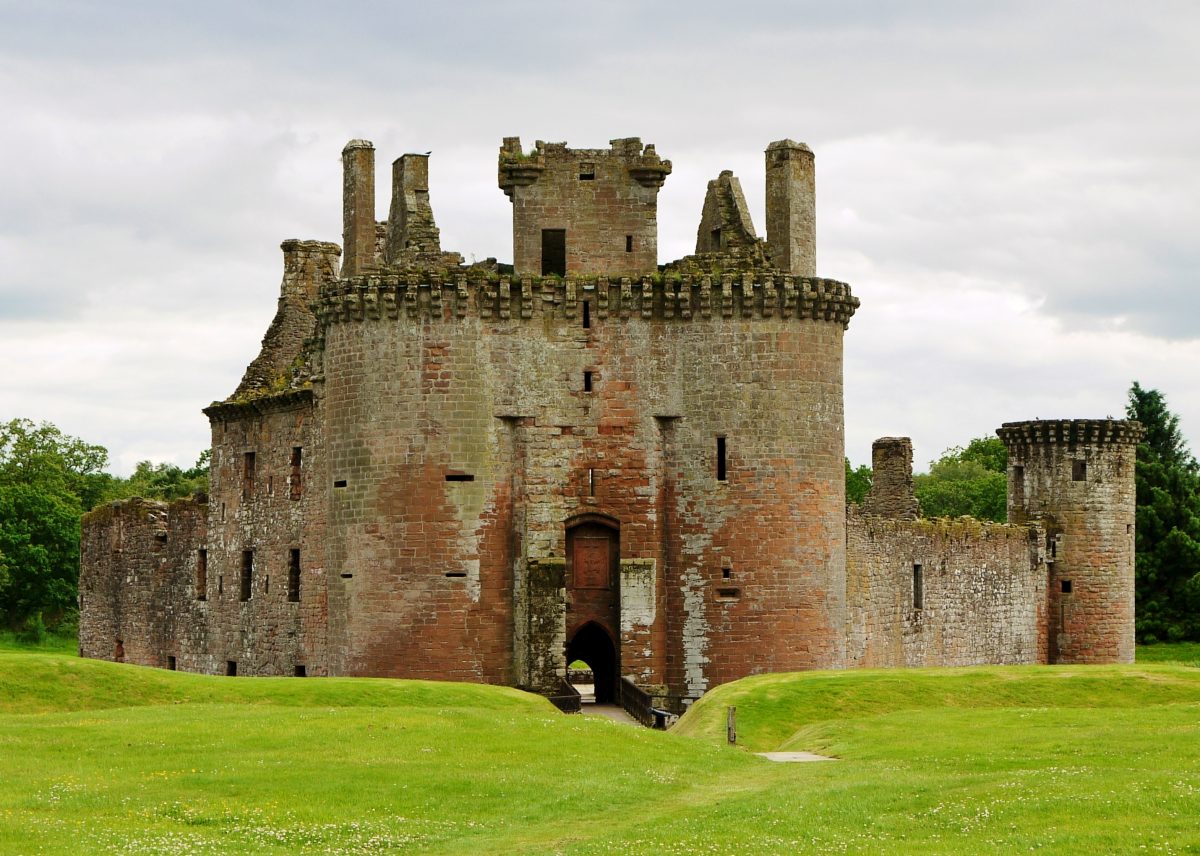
{"x": 591, "y": 481}
{"x": 587, "y": 381}
{"x": 231, "y": 668}
{"x": 629, "y": 243}
{"x": 1066, "y": 586}
{"x": 339, "y": 483}
{"x": 247, "y": 573}
{"x": 587, "y": 172}
{"x": 170, "y": 662}
{"x": 1079, "y": 470}
{"x": 721, "y": 461}
{"x": 1018, "y": 476}
{"x": 726, "y": 573}
{"x": 220, "y": 584}
{"x": 294, "y": 483}
{"x": 267, "y": 584}
{"x": 293, "y": 593}
{"x": 587, "y": 314}
{"x": 554, "y": 252}
{"x": 455, "y": 475}
{"x": 455, "y": 574}
{"x": 248, "y": 475}
{"x": 918, "y": 587}
{"x": 202, "y": 574}
{"x": 716, "y": 240}
{"x": 301, "y": 671}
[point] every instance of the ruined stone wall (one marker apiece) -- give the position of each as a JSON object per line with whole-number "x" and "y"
{"x": 306, "y": 264}
{"x": 137, "y": 584}
{"x": 460, "y": 420}
{"x": 891, "y": 493}
{"x": 605, "y": 199}
{"x": 270, "y": 508}
{"x": 943, "y": 592}
{"x": 1076, "y": 477}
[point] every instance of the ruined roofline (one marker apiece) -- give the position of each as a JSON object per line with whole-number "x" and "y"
{"x": 661, "y": 297}
{"x": 258, "y": 404}
{"x": 1071, "y": 432}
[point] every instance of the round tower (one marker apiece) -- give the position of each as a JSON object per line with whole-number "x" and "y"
{"x": 1076, "y": 478}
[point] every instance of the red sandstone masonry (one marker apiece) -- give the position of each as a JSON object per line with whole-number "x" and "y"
{"x": 455, "y": 424}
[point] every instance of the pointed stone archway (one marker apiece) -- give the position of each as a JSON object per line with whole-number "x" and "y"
{"x": 593, "y": 599}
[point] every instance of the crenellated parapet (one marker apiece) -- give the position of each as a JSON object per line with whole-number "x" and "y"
{"x": 1070, "y": 432}
{"x": 663, "y": 298}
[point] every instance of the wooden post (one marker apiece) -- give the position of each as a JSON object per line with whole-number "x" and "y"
{"x": 731, "y": 725}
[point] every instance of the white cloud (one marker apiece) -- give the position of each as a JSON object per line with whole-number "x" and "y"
{"x": 1012, "y": 190}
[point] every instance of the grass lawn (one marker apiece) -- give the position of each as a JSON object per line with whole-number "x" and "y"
{"x": 106, "y": 758}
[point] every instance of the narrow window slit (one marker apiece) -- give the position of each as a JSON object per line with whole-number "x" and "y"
{"x": 587, "y": 314}
{"x": 918, "y": 587}
{"x": 457, "y": 476}
{"x": 339, "y": 483}
{"x": 202, "y": 574}
{"x": 247, "y": 574}
{"x": 721, "y": 460}
{"x": 293, "y": 593}
{"x": 629, "y": 243}
{"x": 587, "y": 381}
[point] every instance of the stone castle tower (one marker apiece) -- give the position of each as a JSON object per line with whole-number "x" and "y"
{"x": 1075, "y": 478}
{"x": 483, "y": 472}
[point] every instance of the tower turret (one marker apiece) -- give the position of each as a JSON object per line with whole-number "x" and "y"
{"x": 1076, "y": 478}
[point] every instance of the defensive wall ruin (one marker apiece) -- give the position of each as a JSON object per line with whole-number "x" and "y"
{"x": 482, "y": 472}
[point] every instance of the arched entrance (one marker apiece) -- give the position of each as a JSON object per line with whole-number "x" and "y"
{"x": 593, "y": 580}
{"x": 592, "y": 644}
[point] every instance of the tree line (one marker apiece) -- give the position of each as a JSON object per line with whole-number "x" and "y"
{"x": 972, "y": 481}
{"x": 48, "y": 479}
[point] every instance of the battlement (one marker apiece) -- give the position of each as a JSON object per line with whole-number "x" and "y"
{"x": 473, "y": 292}
{"x": 1071, "y": 432}
{"x": 583, "y": 212}
{"x": 519, "y": 169}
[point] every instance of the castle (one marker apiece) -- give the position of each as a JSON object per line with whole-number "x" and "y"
{"x": 483, "y": 472}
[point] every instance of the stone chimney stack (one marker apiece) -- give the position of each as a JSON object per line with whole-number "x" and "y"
{"x": 892, "y": 480}
{"x": 358, "y": 207}
{"x": 792, "y": 208}
{"x": 410, "y": 224}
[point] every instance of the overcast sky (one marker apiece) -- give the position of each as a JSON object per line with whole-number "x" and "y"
{"x": 1011, "y": 189}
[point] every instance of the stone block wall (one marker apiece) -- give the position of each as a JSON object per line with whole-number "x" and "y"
{"x": 470, "y": 421}
{"x": 137, "y": 584}
{"x": 606, "y": 200}
{"x": 943, "y": 592}
{"x": 267, "y": 519}
{"x": 1076, "y": 478}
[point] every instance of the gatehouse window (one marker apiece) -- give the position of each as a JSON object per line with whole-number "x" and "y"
{"x": 294, "y": 576}
{"x": 202, "y": 574}
{"x": 554, "y": 252}
{"x": 247, "y": 573}
{"x": 247, "y": 475}
{"x": 294, "y": 483}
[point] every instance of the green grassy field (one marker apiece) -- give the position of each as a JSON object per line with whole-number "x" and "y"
{"x": 106, "y": 758}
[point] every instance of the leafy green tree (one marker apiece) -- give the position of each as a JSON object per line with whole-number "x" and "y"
{"x": 1168, "y": 523}
{"x": 166, "y": 481}
{"x": 969, "y": 481}
{"x": 47, "y": 480}
{"x": 858, "y": 482}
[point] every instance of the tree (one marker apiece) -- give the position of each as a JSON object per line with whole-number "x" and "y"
{"x": 1168, "y": 523}
{"x": 47, "y": 480}
{"x": 166, "y": 481}
{"x": 858, "y": 482}
{"x": 966, "y": 482}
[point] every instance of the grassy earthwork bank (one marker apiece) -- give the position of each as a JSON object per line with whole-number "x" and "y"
{"x": 106, "y": 758}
